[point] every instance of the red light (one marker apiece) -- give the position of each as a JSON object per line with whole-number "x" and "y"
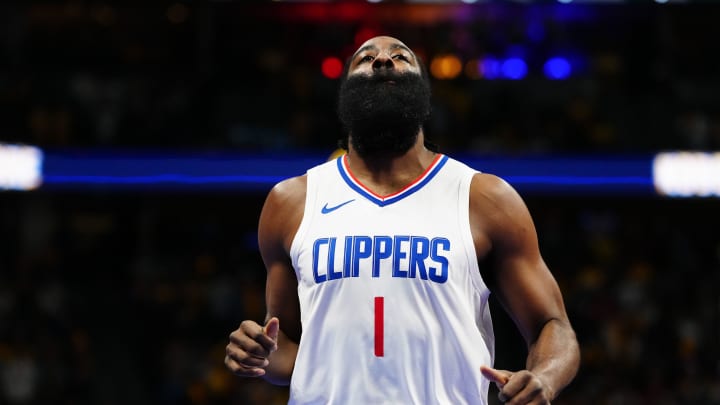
{"x": 332, "y": 67}
{"x": 363, "y": 34}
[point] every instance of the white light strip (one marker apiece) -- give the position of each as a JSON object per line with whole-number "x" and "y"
{"x": 20, "y": 167}
{"x": 687, "y": 174}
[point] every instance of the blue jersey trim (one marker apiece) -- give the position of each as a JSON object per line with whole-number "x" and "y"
{"x": 381, "y": 201}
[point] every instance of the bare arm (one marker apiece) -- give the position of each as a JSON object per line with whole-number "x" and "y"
{"x": 506, "y": 242}
{"x": 270, "y": 351}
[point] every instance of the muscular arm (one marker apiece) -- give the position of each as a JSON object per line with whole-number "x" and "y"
{"x": 279, "y": 221}
{"x": 506, "y": 242}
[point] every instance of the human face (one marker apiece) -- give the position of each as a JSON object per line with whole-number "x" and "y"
{"x": 383, "y": 53}
{"x": 384, "y": 99}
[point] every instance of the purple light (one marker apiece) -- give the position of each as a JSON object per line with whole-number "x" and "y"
{"x": 490, "y": 68}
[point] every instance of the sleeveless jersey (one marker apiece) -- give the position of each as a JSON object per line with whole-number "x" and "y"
{"x": 393, "y": 307}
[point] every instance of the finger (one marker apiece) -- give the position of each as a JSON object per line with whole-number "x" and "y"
{"x": 530, "y": 396}
{"x": 272, "y": 328}
{"x": 247, "y": 328}
{"x": 241, "y": 370}
{"x": 523, "y": 388}
{"x": 251, "y": 346}
{"x": 243, "y": 358}
{"x": 499, "y": 377}
{"x": 252, "y": 328}
{"x": 248, "y": 361}
{"x": 257, "y": 334}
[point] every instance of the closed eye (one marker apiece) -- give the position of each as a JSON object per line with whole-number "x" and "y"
{"x": 401, "y": 57}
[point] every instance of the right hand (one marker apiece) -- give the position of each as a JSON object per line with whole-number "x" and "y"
{"x": 250, "y": 346}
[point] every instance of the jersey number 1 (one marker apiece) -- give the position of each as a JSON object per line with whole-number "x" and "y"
{"x": 379, "y": 326}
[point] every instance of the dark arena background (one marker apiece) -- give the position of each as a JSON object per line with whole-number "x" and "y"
{"x": 139, "y": 139}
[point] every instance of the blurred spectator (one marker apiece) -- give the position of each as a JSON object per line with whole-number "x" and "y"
{"x": 248, "y": 76}
{"x": 134, "y": 311}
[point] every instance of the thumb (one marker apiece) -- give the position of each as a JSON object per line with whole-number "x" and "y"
{"x": 272, "y": 327}
{"x": 499, "y": 377}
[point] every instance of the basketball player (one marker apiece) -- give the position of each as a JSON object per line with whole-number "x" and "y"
{"x": 380, "y": 264}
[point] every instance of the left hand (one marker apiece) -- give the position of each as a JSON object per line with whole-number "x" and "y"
{"x": 521, "y": 387}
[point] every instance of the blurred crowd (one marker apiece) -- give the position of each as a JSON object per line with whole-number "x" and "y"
{"x": 118, "y": 298}
{"x": 234, "y": 75}
{"x": 130, "y": 299}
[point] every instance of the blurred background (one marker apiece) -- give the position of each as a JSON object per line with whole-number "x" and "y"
{"x": 121, "y": 290}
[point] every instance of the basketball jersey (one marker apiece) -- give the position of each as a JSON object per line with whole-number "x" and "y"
{"x": 393, "y": 307}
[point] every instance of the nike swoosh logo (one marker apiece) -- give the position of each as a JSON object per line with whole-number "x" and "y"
{"x": 326, "y": 209}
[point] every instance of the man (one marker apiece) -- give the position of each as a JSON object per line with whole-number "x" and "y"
{"x": 383, "y": 260}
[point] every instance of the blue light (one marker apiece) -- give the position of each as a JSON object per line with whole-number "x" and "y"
{"x": 229, "y": 171}
{"x": 170, "y": 170}
{"x": 514, "y": 68}
{"x": 557, "y": 68}
{"x": 490, "y": 68}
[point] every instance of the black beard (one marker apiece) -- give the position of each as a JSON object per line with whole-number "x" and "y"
{"x": 384, "y": 112}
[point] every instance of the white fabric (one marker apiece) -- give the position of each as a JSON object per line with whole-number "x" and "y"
{"x": 437, "y": 333}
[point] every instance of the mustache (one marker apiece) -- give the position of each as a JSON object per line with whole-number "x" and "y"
{"x": 381, "y": 76}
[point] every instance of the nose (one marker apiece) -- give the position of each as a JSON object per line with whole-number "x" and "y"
{"x": 383, "y": 61}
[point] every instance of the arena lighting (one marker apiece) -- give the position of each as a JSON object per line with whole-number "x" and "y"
{"x": 90, "y": 170}
{"x": 687, "y": 174}
{"x": 491, "y": 68}
{"x": 446, "y": 66}
{"x": 158, "y": 170}
{"x": 20, "y": 167}
{"x": 557, "y": 68}
{"x": 332, "y": 67}
{"x": 675, "y": 174}
{"x": 514, "y": 68}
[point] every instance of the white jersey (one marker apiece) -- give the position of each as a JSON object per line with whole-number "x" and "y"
{"x": 393, "y": 307}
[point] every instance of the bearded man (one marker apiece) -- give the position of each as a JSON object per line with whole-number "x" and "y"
{"x": 380, "y": 264}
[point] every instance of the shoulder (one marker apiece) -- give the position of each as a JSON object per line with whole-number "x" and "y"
{"x": 497, "y": 208}
{"x": 289, "y": 191}
{"x": 283, "y": 211}
{"x": 491, "y": 191}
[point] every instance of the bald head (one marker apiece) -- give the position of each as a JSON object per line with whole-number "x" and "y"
{"x": 383, "y": 52}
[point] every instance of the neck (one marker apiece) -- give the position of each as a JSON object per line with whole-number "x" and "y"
{"x": 387, "y": 173}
